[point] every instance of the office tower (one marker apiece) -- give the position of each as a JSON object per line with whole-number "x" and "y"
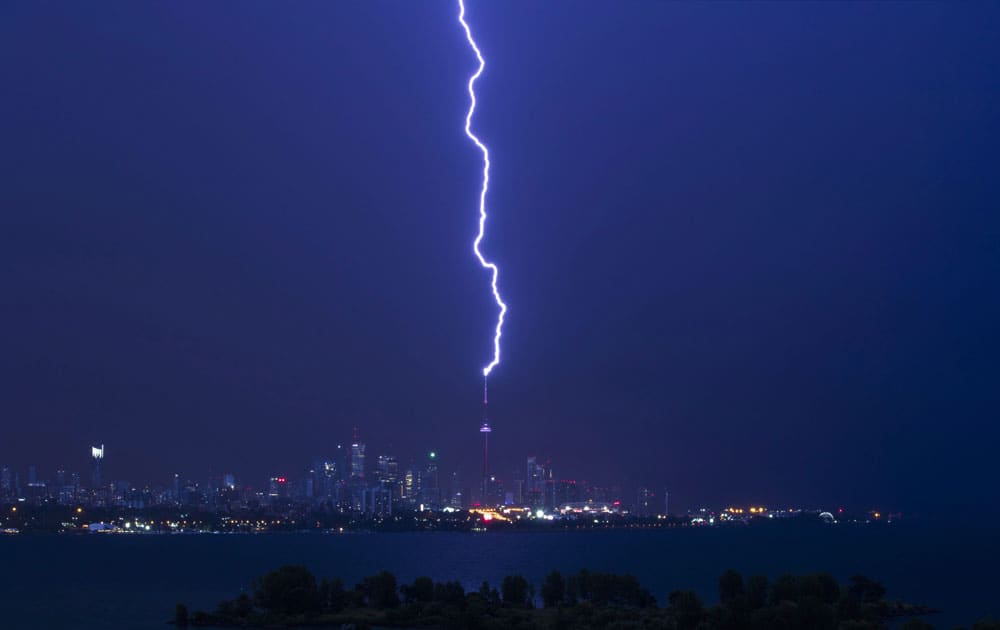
{"x": 430, "y": 486}
{"x": 277, "y": 488}
{"x": 342, "y": 469}
{"x": 357, "y": 458}
{"x": 645, "y": 502}
{"x": 517, "y": 496}
{"x": 566, "y": 492}
{"x": 412, "y": 487}
{"x": 455, "y": 494}
{"x": 6, "y": 483}
{"x": 534, "y": 475}
{"x": 325, "y": 472}
{"x": 533, "y": 483}
{"x": 97, "y": 466}
{"x": 493, "y": 492}
{"x": 387, "y": 469}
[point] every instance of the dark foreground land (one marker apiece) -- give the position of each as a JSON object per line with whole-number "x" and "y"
{"x": 292, "y": 597}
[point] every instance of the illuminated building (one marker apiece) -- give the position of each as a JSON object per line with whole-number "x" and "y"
{"x": 326, "y": 473}
{"x": 96, "y": 466}
{"x": 534, "y": 493}
{"x": 277, "y": 488}
{"x": 456, "y": 497}
{"x": 6, "y": 483}
{"x": 645, "y": 502}
{"x": 411, "y": 486}
{"x": 430, "y": 494}
{"x": 387, "y": 468}
{"x": 357, "y": 458}
{"x": 493, "y": 493}
{"x": 534, "y": 476}
{"x": 517, "y": 496}
{"x": 566, "y": 492}
{"x": 376, "y": 501}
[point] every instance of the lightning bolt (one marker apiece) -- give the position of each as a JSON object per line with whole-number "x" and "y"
{"x": 482, "y": 194}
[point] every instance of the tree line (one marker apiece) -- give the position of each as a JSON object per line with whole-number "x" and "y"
{"x": 292, "y": 596}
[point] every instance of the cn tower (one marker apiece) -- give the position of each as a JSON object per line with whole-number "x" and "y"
{"x": 485, "y": 430}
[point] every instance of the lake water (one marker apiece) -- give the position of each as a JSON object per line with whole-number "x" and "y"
{"x": 100, "y": 581}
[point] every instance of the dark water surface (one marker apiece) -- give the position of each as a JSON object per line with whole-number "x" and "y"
{"x": 100, "y": 581}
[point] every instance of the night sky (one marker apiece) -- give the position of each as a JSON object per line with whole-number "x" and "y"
{"x": 751, "y": 251}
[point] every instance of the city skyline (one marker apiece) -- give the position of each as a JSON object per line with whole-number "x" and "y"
{"x": 748, "y": 249}
{"x": 419, "y": 480}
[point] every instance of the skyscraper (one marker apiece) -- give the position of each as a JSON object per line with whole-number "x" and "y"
{"x": 431, "y": 490}
{"x": 6, "y": 483}
{"x": 97, "y": 466}
{"x": 388, "y": 469}
{"x": 326, "y": 474}
{"x": 645, "y": 503}
{"x": 533, "y": 475}
{"x": 411, "y": 485}
{"x": 357, "y": 458}
{"x": 455, "y": 494}
{"x": 535, "y": 483}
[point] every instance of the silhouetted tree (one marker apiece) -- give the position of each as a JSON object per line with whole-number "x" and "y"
{"x": 822, "y": 586}
{"x": 687, "y": 609}
{"x": 865, "y": 590}
{"x": 421, "y": 591}
{"x": 756, "y": 589}
{"x": 449, "y": 593}
{"x": 181, "y": 616}
{"x": 730, "y": 586}
{"x": 379, "y": 590}
{"x": 784, "y": 589}
{"x": 516, "y": 591}
{"x": 576, "y": 586}
{"x": 332, "y": 595}
{"x": 553, "y": 589}
{"x": 490, "y": 595}
{"x": 244, "y": 605}
{"x": 239, "y": 608}
{"x": 290, "y": 589}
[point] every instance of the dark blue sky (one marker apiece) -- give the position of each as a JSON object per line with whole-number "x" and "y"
{"x": 750, "y": 250}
